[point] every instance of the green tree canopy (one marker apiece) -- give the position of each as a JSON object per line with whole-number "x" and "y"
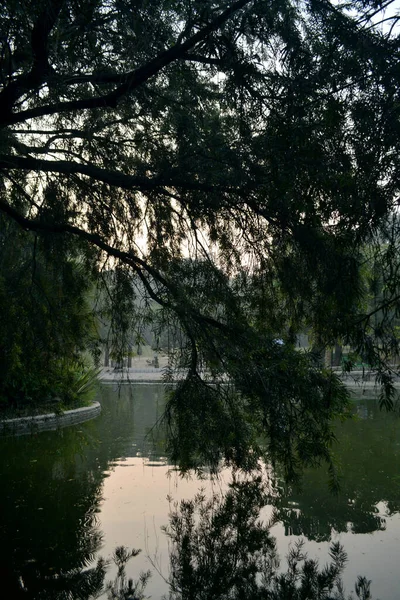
{"x": 232, "y": 160}
{"x": 46, "y": 320}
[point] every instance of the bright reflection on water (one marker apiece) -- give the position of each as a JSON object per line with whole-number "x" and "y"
{"x": 72, "y": 495}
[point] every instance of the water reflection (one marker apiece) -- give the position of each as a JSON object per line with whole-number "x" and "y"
{"x": 220, "y": 549}
{"x": 368, "y": 451}
{"x": 54, "y": 485}
{"x": 52, "y": 489}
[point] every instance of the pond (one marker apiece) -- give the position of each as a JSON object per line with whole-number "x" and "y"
{"x": 71, "y": 495}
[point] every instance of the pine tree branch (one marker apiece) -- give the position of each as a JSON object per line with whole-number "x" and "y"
{"x": 40, "y": 67}
{"x": 107, "y": 78}
{"x": 115, "y": 178}
{"x": 133, "y": 79}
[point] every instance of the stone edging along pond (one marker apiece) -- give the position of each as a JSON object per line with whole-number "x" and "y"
{"x": 50, "y": 421}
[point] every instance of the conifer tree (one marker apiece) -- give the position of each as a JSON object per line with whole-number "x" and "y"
{"x": 232, "y": 160}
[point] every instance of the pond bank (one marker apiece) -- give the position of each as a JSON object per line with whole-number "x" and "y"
{"x": 355, "y": 381}
{"x": 49, "y": 421}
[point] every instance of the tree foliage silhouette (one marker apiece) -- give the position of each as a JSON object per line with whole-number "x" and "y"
{"x": 232, "y": 160}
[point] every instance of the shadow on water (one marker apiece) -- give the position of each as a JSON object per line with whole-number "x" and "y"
{"x": 52, "y": 489}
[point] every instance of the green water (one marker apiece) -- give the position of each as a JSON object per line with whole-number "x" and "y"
{"x": 69, "y": 495}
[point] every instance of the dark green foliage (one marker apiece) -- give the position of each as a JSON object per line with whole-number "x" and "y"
{"x": 233, "y": 164}
{"x": 246, "y": 394}
{"x": 45, "y": 320}
{"x": 278, "y": 404}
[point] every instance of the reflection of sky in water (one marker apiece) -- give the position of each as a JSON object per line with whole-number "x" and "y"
{"x": 95, "y": 483}
{"x": 136, "y": 506}
{"x": 375, "y": 555}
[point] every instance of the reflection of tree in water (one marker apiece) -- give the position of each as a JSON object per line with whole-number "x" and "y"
{"x": 367, "y": 450}
{"x": 128, "y": 424}
{"x": 220, "y": 550}
{"x": 367, "y": 453}
{"x": 51, "y": 491}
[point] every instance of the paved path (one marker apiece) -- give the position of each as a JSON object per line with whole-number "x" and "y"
{"x": 132, "y": 375}
{"x": 142, "y": 372}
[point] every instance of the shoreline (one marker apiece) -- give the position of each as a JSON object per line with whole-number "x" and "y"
{"x": 131, "y": 376}
{"x": 49, "y": 421}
